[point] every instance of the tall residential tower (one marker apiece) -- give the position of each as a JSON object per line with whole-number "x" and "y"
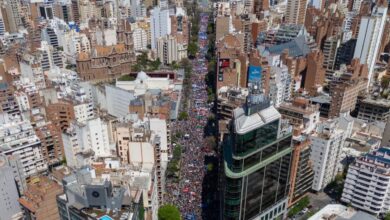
{"x": 257, "y": 157}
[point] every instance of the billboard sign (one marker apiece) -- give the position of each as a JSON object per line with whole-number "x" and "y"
{"x": 222, "y": 63}
{"x": 254, "y": 74}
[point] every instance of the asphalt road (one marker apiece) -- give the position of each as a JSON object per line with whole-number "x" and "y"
{"x": 317, "y": 201}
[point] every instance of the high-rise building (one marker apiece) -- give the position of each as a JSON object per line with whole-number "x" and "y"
{"x": 50, "y": 57}
{"x": 257, "y": 157}
{"x": 52, "y": 147}
{"x": 280, "y": 84}
{"x": 92, "y": 135}
{"x": 88, "y": 197}
{"x": 8, "y": 103}
{"x": 326, "y": 147}
{"x": 367, "y": 182}
{"x": 232, "y": 65}
{"x": 330, "y": 51}
{"x": 49, "y": 35}
{"x": 369, "y": 39}
{"x": 302, "y": 175}
{"x": 137, "y": 9}
{"x": 9, "y": 206}
{"x": 315, "y": 73}
{"x": 373, "y": 109}
{"x": 386, "y": 135}
{"x": 345, "y": 53}
{"x": 347, "y": 83}
{"x": 13, "y": 14}
{"x": 140, "y": 38}
{"x": 18, "y": 138}
{"x": 167, "y": 50}
{"x": 296, "y": 11}
{"x": 75, "y": 11}
{"x": 302, "y": 115}
{"x": 160, "y": 25}
{"x": 304, "y": 118}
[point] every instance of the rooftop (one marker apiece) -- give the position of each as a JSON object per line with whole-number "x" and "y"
{"x": 244, "y": 123}
{"x": 296, "y": 48}
{"x": 377, "y": 102}
{"x": 340, "y": 212}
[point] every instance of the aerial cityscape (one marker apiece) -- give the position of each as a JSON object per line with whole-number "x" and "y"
{"x": 194, "y": 109}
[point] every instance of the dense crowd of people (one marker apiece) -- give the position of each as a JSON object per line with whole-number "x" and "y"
{"x": 186, "y": 193}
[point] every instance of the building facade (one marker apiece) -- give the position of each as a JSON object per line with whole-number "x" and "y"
{"x": 369, "y": 39}
{"x": 326, "y": 147}
{"x": 367, "y": 182}
{"x": 257, "y": 157}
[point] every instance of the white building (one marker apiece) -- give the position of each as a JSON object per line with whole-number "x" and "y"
{"x": 83, "y": 105}
{"x": 317, "y": 4}
{"x": 368, "y": 182}
{"x": 280, "y": 84}
{"x": 137, "y": 9}
{"x": 338, "y": 211}
{"x": 369, "y": 39}
{"x": 22, "y": 100}
{"x": 118, "y": 100}
{"x": 326, "y": 148}
{"x": 50, "y": 57}
{"x": 150, "y": 200}
{"x": 159, "y": 128}
{"x": 18, "y": 138}
{"x": 140, "y": 39}
{"x": 356, "y": 6}
{"x": 83, "y": 111}
{"x": 74, "y": 43}
{"x": 160, "y": 25}
{"x": 167, "y": 49}
{"x": 9, "y": 205}
{"x": 143, "y": 83}
{"x": 90, "y": 136}
{"x": 141, "y": 155}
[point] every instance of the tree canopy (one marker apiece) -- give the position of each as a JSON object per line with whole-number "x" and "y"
{"x": 168, "y": 212}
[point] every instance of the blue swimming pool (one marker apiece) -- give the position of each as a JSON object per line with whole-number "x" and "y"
{"x": 105, "y": 217}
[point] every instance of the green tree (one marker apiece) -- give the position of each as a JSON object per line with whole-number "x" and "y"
{"x": 175, "y": 65}
{"x": 143, "y": 59}
{"x": 154, "y": 65}
{"x": 136, "y": 67}
{"x": 183, "y": 116}
{"x": 299, "y": 206}
{"x": 387, "y": 216}
{"x": 192, "y": 49}
{"x": 168, "y": 212}
{"x": 126, "y": 78}
{"x": 385, "y": 82}
{"x": 141, "y": 213}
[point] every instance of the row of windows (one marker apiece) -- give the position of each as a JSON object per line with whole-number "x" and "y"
{"x": 244, "y": 164}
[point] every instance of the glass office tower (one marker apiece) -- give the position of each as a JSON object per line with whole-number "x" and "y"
{"x": 257, "y": 156}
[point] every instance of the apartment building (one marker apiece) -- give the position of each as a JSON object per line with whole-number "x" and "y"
{"x": 367, "y": 182}
{"x": 326, "y": 147}
{"x": 18, "y": 138}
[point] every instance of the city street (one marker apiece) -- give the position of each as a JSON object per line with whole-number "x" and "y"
{"x": 192, "y": 193}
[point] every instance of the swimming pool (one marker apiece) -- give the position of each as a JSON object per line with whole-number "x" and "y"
{"x": 105, "y": 217}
